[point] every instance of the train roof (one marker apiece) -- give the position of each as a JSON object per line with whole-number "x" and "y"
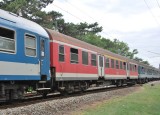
{"x": 13, "y": 19}
{"x": 54, "y": 35}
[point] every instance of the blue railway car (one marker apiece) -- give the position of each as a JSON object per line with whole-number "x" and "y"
{"x": 147, "y": 73}
{"x": 24, "y": 55}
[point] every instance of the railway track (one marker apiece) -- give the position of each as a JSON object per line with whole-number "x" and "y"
{"x": 54, "y": 96}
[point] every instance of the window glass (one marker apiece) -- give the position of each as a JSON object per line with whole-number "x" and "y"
{"x": 117, "y": 64}
{"x": 124, "y": 65}
{"x": 7, "y": 40}
{"x": 42, "y": 48}
{"x": 121, "y": 67}
{"x": 100, "y": 61}
{"x": 130, "y": 66}
{"x": 135, "y": 67}
{"x": 74, "y": 55}
{"x": 61, "y": 53}
{"x": 93, "y": 60}
{"x": 107, "y": 63}
{"x": 30, "y": 42}
{"x": 84, "y": 57}
{"x": 127, "y": 66}
{"x": 30, "y": 52}
{"x": 112, "y": 63}
{"x": 30, "y": 45}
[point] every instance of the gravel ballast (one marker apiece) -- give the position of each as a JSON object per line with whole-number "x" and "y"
{"x": 67, "y": 105}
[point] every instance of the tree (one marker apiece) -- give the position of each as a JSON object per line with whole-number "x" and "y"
{"x": 79, "y": 30}
{"x": 30, "y": 9}
{"x": 138, "y": 59}
{"x": 131, "y": 54}
{"x": 141, "y": 60}
{"x": 146, "y": 62}
{"x": 93, "y": 39}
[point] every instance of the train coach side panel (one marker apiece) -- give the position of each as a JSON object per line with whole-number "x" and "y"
{"x": 71, "y": 71}
{"x": 112, "y": 73}
{"x": 15, "y": 64}
{"x": 115, "y": 72}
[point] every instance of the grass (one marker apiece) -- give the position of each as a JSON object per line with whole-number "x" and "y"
{"x": 143, "y": 102}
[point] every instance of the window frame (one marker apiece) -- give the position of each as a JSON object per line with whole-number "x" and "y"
{"x": 117, "y": 64}
{"x": 15, "y": 41}
{"x": 29, "y": 47}
{"x": 112, "y": 63}
{"x": 95, "y": 60}
{"x": 74, "y": 61}
{"x": 130, "y": 67}
{"x": 107, "y": 62}
{"x": 135, "y": 66}
{"x": 42, "y": 49}
{"x": 124, "y": 65}
{"x": 87, "y": 57}
{"x": 61, "y": 53}
{"x": 121, "y": 65}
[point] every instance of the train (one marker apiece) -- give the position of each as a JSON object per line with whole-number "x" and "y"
{"x": 33, "y": 58}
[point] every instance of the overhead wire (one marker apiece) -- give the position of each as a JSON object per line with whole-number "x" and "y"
{"x": 68, "y": 12}
{"x": 152, "y": 13}
{"x": 97, "y": 21}
{"x": 92, "y": 17}
{"x": 158, "y": 3}
{"x": 154, "y": 52}
{"x": 80, "y": 10}
{"x": 80, "y": 18}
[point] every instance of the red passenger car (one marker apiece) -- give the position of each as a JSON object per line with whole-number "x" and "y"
{"x": 76, "y": 64}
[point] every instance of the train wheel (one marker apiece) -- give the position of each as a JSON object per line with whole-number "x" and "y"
{"x": 9, "y": 95}
{"x": 64, "y": 93}
{"x": 119, "y": 83}
{"x": 45, "y": 95}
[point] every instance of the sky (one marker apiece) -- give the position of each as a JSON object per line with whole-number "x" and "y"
{"x": 135, "y": 22}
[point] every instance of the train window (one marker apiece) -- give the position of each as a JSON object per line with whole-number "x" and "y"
{"x": 93, "y": 59}
{"x": 42, "y": 48}
{"x": 30, "y": 45}
{"x": 121, "y": 67}
{"x": 150, "y": 72}
{"x": 107, "y": 63}
{"x": 117, "y": 64}
{"x": 153, "y": 72}
{"x": 112, "y": 63}
{"x": 127, "y": 66}
{"x": 7, "y": 40}
{"x": 74, "y": 55}
{"x": 100, "y": 61}
{"x": 135, "y": 67}
{"x": 144, "y": 70}
{"x": 84, "y": 57}
{"x": 130, "y": 65}
{"x": 124, "y": 64}
{"x": 147, "y": 71}
{"x": 61, "y": 53}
